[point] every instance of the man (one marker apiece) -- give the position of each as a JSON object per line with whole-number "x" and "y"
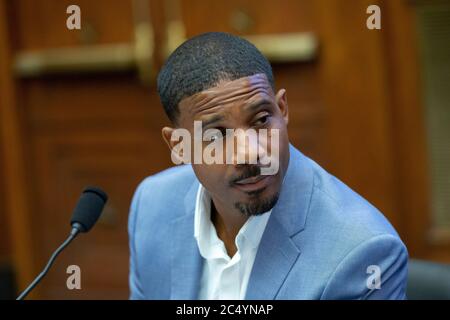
{"x": 227, "y": 231}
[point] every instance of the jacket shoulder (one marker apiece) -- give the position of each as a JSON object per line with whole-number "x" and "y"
{"x": 163, "y": 192}
{"x": 177, "y": 176}
{"x": 346, "y": 208}
{"x": 343, "y": 235}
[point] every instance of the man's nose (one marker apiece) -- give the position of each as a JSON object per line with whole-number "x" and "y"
{"x": 247, "y": 147}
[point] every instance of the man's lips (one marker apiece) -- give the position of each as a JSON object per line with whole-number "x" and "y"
{"x": 250, "y": 180}
{"x": 253, "y": 183}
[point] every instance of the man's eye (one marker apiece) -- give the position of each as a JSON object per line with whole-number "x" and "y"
{"x": 219, "y": 135}
{"x": 216, "y": 137}
{"x": 223, "y": 131}
{"x": 262, "y": 120}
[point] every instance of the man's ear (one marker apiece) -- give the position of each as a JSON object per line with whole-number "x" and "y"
{"x": 167, "y": 135}
{"x": 281, "y": 100}
{"x": 179, "y": 143}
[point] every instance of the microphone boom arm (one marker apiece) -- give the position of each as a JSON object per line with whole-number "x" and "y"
{"x": 73, "y": 234}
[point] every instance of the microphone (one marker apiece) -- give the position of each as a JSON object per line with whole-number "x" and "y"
{"x": 85, "y": 215}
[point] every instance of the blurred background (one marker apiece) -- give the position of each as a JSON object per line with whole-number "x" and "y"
{"x": 80, "y": 107}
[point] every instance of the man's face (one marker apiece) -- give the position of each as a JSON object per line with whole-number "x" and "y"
{"x": 245, "y": 103}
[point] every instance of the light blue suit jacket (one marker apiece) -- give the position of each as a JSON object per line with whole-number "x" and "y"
{"x": 322, "y": 241}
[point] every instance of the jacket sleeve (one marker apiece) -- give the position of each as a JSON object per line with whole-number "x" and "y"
{"x": 134, "y": 282}
{"x": 375, "y": 269}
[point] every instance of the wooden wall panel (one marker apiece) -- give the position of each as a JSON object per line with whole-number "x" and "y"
{"x": 99, "y": 129}
{"x": 16, "y": 194}
{"x": 42, "y": 24}
{"x": 412, "y": 159}
{"x": 285, "y": 16}
{"x": 116, "y": 161}
{"x": 357, "y": 110}
{"x": 104, "y": 132}
{"x": 5, "y": 245}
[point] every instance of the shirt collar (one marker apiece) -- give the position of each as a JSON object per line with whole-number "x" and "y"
{"x": 204, "y": 230}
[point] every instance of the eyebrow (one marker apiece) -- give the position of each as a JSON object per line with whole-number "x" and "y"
{"x": 251, "y": 107}
{"x": 211, "y": 120}
{"x": 255, "y": 105}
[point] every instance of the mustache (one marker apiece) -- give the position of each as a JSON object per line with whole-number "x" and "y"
{"x": 249, "y": 171}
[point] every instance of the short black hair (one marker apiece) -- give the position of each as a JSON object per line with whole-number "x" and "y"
{"x": 204, "y": 60}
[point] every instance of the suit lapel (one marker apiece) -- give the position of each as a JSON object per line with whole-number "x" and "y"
{"x": 275, "y": 258}
{"x": 277, "y": 252}
{"x": 187, "y": 262}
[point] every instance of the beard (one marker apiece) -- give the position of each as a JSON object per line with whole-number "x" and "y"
{"x": 257, "y": 206}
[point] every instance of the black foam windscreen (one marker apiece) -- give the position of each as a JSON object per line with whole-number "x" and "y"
{"x": 89, "y": 208}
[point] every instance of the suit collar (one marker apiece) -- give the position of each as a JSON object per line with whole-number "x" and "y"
{"x": 275, "y": 257}
{"x": 277, "y": 252}
{"x": 293, "y": 203}
{"x": 186, "y": 262}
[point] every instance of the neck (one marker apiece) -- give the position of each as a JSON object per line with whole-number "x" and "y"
{"x": 227, "y": 222}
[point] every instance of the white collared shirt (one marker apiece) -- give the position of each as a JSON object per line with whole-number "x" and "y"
{"x": 223, "y": 277}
